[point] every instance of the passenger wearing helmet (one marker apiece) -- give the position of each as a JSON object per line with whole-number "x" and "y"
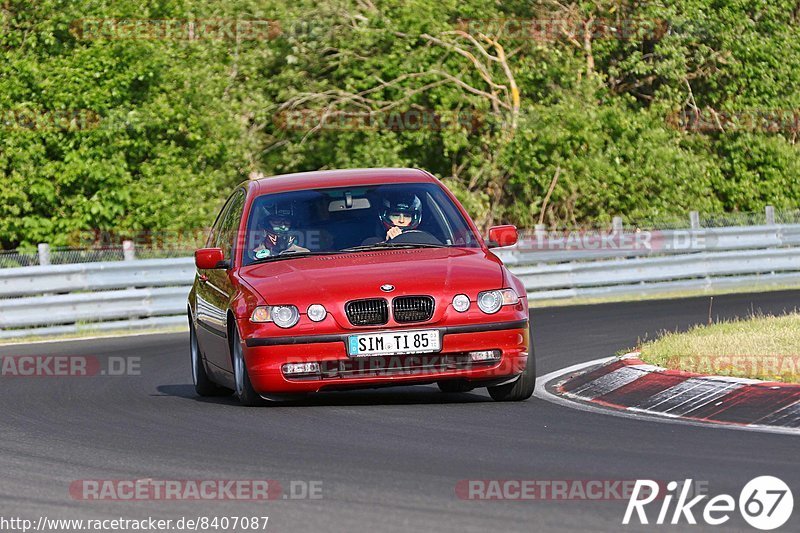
{"x": 400, "y": 213}
{"x": 277, "y": 238}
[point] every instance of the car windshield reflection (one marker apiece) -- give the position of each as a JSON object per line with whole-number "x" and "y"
{"x": 354, "y": 219}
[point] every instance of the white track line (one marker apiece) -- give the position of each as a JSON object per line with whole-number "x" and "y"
{"x": 542, "y": 393}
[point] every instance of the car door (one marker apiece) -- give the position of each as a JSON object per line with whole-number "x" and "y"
{"x": 216, "y": 289}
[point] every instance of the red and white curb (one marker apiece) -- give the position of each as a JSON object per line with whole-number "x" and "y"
{"x": 628, "y": 384}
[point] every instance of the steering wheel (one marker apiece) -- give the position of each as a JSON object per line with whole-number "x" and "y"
{"x": 415, "y": 236}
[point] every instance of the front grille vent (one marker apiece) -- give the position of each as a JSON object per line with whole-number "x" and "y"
{"x": 372, "y": 312}
{"x": 407, "y": 309}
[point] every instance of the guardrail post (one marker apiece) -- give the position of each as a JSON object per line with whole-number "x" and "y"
{"x": 769, "y": 211}
{"x": 694, "y": 220}
{"x": 616, "y": 224}
{"x": 128, "y": 250}
{"x": 44, "y": 254}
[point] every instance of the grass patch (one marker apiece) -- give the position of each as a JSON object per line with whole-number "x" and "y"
{"x": 93, "y": 334}
{"x": 760, "y": 347}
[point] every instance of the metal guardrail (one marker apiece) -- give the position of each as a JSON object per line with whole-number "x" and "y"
{"x": 639, "y": 263}
{"x": 53, "y": 299}
{"x": 57, "y": 299}
{"x": 33, "y": 280}
{"x": 559, "y": 247}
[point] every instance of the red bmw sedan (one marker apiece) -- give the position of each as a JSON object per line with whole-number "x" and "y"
{"x": 345, "y": 279}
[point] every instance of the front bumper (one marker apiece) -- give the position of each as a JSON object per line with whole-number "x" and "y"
{"x": 266, "y": 356}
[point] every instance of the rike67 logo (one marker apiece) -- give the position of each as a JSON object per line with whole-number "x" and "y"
{"x": 765, "y": 503}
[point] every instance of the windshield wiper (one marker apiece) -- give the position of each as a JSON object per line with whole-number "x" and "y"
{"x": 385, "y": 245}
{"x": 376, "y": 246}
{"x": 291, "y": 255}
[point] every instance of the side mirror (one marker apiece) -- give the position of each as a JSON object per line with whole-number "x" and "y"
{"x": 502, "y": 236}
{"x": 210, "y": 258}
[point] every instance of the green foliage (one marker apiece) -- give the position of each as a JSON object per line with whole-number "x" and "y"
{"x": 151, "y": 134}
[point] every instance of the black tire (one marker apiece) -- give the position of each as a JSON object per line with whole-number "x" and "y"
{"x": 244, "y": 389}
{"x": 202, "y": 383}
{"x": 519, "y": 390}
{"x": 454, "y": 386}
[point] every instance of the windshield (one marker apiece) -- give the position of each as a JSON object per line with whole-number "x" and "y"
{"x": 354, "y": 219}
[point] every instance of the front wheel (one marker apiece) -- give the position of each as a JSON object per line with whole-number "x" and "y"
{"x": 521, "y": 389}
{"x": 244, "y": 389}
{"x": 202, "y": 383}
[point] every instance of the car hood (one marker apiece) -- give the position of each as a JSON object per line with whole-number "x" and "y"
{"x": 332, "y": 279}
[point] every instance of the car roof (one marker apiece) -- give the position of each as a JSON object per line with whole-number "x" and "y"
{"x": 340, "y": 178}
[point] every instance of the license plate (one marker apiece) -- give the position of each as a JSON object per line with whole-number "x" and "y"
{"x": 394, "y": 343}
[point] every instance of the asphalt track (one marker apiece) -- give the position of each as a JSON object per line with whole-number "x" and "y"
{"x": 389, "y": 459}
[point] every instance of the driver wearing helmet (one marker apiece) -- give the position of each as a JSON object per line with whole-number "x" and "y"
{"x": 400, "y": 213}
{"x": 277, "y": 238}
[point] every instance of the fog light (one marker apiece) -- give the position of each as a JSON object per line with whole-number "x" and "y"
{"x": 485, "y": 355}
{"x": 300, "y": 368}
{"x": 461, "y": 302}
{"x": 316, "y": 312}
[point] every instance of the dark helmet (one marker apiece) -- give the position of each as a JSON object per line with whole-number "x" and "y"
{"x": 408, "y": 204}
{"x": 279, "y": 217}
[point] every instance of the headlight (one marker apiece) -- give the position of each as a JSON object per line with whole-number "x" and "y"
{"x": 284, "y": 316}
{"x": 490, "y": 302}
{"x": 317, "y": 312}
{"x": 461, "y": 302}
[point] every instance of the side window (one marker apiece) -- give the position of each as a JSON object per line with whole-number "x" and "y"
{"x": 224, "y": 238}
{"x": 439, "y": 226}
{"x": 212, "y": 235}
{"x": 455, "y": 224}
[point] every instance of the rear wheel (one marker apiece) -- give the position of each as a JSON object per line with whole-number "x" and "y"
{"x": 454, "y": 386}
{"x": 244, "y": 389}
{"x": 519, "y": 390}
{"x": 202, "y": 383}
